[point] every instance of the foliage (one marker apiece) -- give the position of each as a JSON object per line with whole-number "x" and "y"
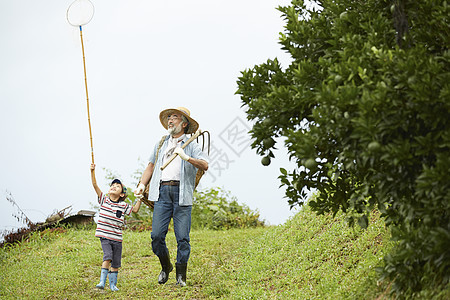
{"x": 364, "y": 107}
{"x": 16, "y": 235}
{"x": 215, "y": 208}
{"x": 22, "y": 233}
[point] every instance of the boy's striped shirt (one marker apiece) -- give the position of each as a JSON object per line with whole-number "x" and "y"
{"x": 109, "y": 224}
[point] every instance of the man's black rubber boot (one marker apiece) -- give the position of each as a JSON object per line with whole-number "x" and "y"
{"x": 167, "y": 267}
{"x": 181, "y": 274}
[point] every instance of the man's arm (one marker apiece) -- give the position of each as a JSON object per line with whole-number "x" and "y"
{"x": 198, "y": 163}
{"x": 94, "y": 181}
{"x": 145, "y": 179}
{"x": 147, "y": 173}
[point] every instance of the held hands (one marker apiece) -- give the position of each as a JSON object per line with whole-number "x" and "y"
{"x": 139, "y": 190}
{"x": 181, "y": 153}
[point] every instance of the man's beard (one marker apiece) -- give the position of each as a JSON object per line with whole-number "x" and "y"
{"x": 175, "y": 130}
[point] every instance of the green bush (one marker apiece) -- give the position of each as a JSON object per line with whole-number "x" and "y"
{"x": 364, "y": 108}
{"x": 215, "y": 208}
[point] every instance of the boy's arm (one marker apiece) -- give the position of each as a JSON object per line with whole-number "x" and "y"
{"x": 137, "y": 205}
{"x": 94, "y": 181}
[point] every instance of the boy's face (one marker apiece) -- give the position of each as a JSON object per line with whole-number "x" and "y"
{"x": 116, "y": 189}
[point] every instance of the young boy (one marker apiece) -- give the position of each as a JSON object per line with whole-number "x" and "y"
{"x": 109, "y": 227}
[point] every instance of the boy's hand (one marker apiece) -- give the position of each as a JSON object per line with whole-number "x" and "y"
{"x": 92, "y": 167}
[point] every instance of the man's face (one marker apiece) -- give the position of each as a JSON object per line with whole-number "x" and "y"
{"x": 174, "y": 124}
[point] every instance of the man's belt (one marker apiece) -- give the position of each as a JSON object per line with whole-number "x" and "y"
{"x": 170, "y": 182}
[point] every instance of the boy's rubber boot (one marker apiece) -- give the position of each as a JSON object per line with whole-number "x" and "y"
{"x": 181, "y": 274}
{"x": 103, "y": 276}
{"x": 113, "y": 281}
{"x": 166, "y": 266}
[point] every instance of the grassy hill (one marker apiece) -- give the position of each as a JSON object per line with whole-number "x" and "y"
{"x": 308, "y": 257}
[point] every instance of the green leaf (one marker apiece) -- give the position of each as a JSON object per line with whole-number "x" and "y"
{"x": 363, "y": 221}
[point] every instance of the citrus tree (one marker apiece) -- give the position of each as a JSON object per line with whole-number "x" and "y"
{"x": 364, "y": 109}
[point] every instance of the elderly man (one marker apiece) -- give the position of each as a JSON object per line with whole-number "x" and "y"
{"x": 172, "y": 189}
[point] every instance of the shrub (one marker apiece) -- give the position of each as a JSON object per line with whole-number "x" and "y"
{"x": 215, "y": 208}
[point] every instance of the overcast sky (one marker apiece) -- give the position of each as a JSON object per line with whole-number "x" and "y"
{"x": 141, "y": 57}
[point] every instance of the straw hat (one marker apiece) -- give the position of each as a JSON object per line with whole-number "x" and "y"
{"x": 193, "y": 125}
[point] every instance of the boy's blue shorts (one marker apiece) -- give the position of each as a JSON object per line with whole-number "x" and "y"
{"x": 112, "y": 250}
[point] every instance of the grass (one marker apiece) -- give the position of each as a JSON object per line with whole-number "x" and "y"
{"x": 308, "y": 257}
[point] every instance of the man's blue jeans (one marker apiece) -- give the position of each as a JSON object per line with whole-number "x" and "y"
{"x": 165, "y": 208}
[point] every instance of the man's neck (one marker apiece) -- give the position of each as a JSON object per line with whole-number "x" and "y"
{"x": 177, "y": 135}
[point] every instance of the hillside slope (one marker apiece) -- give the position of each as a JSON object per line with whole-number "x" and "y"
{"x": 312, "y": 257}
{"x": 309, "y": 257}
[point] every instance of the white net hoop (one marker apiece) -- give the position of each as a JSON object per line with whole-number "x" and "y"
{"x": 80, "y": 12}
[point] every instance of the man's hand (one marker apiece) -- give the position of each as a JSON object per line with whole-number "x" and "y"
{"x": 92, "y": 167}
{"x": 139, "y": 190}
{"x": 181, "y": 153}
